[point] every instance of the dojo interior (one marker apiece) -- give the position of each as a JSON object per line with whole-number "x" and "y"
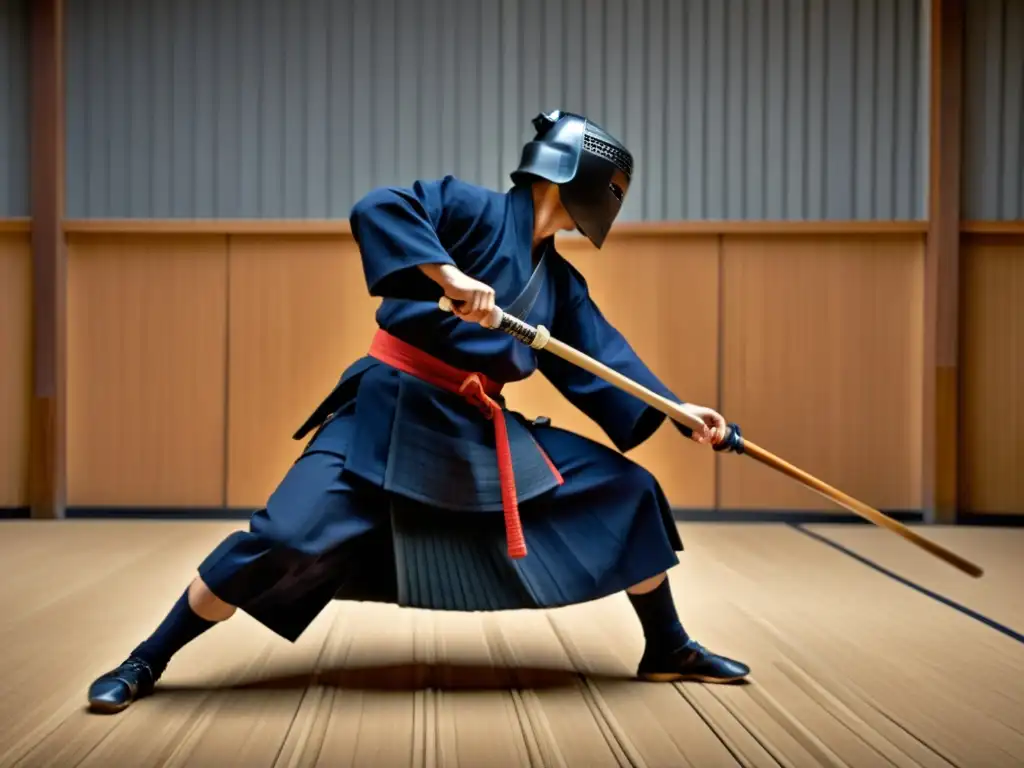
{"x": 825, "y": 241}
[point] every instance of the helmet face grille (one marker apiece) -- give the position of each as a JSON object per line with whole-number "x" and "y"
{"x": 622, "y": 160}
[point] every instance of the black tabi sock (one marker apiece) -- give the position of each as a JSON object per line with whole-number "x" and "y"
{"x": 657, "y": 613}
{"x": 181, "y": 627}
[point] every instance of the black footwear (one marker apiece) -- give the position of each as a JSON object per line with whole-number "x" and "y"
{"x": 115, "y": 690}
{"x": 691, "y": 662}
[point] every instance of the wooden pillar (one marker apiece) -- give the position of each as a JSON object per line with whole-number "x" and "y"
{"x": 942, "y": 265}
{"x": 47, "y": 473}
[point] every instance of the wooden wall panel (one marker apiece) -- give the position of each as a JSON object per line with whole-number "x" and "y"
{"x": 146, "y": 370}
{"x": 662, "y": 293}
{"x": 15, "y": 366}
{"x": 222, "y": 344}
{"x": 992, "y": 375}
{"x": 299, "y": 315}
{"x": 822, "y": 365}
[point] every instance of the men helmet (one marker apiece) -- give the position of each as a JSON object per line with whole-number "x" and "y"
{"x": 590, "y": 166}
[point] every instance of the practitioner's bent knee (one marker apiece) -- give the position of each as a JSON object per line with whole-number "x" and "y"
{"x": 207, "y": 605}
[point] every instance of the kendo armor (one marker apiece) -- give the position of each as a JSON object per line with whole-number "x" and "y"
{"x": 592, "y": 168}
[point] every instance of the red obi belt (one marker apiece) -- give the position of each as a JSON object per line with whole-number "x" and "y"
{"x": 478, "y": 390}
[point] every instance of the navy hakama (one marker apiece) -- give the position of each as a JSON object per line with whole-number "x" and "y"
{"x": 397, "y": 498}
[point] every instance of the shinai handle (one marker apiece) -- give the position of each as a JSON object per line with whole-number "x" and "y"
{"x": 540, "y": 338}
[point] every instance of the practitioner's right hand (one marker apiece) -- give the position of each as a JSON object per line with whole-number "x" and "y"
{"x": 471, "y": 299}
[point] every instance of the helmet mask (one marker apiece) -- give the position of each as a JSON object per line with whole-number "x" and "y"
{"x": 592, "y": 169}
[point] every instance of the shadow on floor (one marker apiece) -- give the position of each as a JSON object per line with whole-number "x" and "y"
{"x": 411, "y": 677}
{"x": 417, "y": 677}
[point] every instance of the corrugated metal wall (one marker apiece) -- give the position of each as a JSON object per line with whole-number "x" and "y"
{"x": 993, "y": 172}
{"x": 736, "y": 109}
{"x": 14, "y": 108}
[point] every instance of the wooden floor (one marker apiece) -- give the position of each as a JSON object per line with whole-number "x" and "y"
{"x": 851, "y": 666}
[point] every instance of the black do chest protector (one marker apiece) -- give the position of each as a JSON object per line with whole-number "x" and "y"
{"x": 591, "y": 167}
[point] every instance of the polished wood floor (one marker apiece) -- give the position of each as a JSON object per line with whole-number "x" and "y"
{"x": 852, "y": 666}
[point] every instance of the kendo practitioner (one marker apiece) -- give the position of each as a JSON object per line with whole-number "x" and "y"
{"x": 418, "y": 487}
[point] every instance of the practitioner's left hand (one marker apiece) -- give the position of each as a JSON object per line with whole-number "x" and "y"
{"x": 715, "y": 428}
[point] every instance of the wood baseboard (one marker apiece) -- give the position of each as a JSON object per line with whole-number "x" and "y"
{"x": 785, "y": 516}
{"x": 687, "y": 515}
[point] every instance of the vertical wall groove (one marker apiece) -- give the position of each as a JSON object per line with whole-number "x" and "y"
{"x": 735, "y": 109}
{"x": 14, "y": 108}
{"x": 228, "y": 330}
